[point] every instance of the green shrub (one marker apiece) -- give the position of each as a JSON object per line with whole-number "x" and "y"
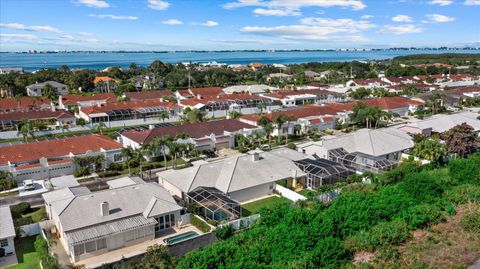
{"x": 20, "y": 209}
{"x": 397, "y": 174}
{"x": 471, "y": 222}
{"x": 115, "y": 167}
{"x": 224, "y": 232}
{"x": 384, "y": 233}
{"x": 421, "y": 187}
{"x": 463, "y": 193}
{"x": 465, "y": 170}
{"x": 200, "y": 224}
{"x": 423, "y": 215}
{"x": 81, "y": 172}
{"x": 109, "y": 174}
{"x": 292, "y": 145}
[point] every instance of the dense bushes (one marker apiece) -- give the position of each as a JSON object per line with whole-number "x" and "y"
{"x": 224, "y": 232}
{"x": 465, "y": 170}
{"x": 200, "y": 224}
{"x": 384, "y": 233}
{"x": 41, "y": 248}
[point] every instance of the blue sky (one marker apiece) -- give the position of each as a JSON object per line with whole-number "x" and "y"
{"x": 235, "y": 24}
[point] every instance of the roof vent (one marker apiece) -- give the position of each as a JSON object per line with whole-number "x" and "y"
{"x": 104, "y": 210}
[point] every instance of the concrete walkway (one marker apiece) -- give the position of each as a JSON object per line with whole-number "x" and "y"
{"x": 8, "y": 260}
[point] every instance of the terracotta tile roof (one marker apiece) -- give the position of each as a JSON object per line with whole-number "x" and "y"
{"x": 390, "y": 103}
{"x": 127, "y": 105}
{"x": 24, "y": 103}
{"x": 416, "y": 85}
{"x": 208, "y": 91}
{"x": 365, "y": 82}
{"x": 75, "y": 99}
{"x": 103, "y": 79}
{"x": 224, "y": 97}
{"x": 458, "y": 77}
{"x": 286, "y": 93}
{"x": 195, "y": 130}
{"x": 35, "y": 115}
{"x": 467, "y": 89}
{"x": 33, "y": 151}
{"x": 149, "y": 95}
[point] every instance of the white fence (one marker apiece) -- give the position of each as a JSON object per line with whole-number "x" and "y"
{"x": 30, "y": 229}
{"x": 329, "y": 196}
{"x": 242, "y": 223}
{"x": 289, "y": 194}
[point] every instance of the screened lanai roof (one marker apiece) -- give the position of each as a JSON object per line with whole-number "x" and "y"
{"x": 379, "y": 162}
{"x": 216, "y": 205}
{"x": 209, "y": 194}
{"x": 355, "y": 158}
{"x": 322, "y": 168}
{"x": 151, "y": 109}
{"x": 121, "y": 112}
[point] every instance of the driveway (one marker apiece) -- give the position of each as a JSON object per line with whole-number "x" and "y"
{"x": 8, "y": 260}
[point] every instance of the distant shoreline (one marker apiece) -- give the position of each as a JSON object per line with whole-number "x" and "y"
{"x": 253, "y": 50}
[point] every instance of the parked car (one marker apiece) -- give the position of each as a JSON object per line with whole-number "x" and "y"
{"x": 28, "y": 185}
{"x": 265, "y": 147}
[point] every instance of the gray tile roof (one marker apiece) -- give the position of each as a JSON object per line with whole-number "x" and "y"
{"x": 6, "y": 223}
{"x": 441, "y": 123}
{"x": 59, "y": 199}
{"x": 238, "y": 172}
{"x": 376, "y": 142}
{"x": 123, "y": 182}
{"x": 109, "y": 228}
{"x": 84, "y": 210}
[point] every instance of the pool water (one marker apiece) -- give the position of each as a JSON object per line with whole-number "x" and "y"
{"x": 180, "y": 238}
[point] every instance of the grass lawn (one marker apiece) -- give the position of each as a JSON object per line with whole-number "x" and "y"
{"x": 10, "y": 193}
{"x": 37, "y": 214}
{"x": 26, "y": 255}
{"x": 306, "y": 192}
{"x": 270, "y": 202}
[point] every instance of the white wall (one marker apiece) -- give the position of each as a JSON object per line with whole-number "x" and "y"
{"x": 170, "y": 187}
{"x": 253, "y": 192}
{"x": 10, "y": 248}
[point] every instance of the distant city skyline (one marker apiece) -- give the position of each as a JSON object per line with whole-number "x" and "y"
{"x": 236, "y": 24}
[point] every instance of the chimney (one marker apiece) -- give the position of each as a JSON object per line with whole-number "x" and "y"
{"x": 256, "y": 156}
{"x": 104, "y": 210}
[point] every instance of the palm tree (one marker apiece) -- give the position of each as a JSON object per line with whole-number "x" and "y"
{"x": 163, "y": 116}
{"x": 162, "y": 144}
{"x": 174, "y": 148}
{"x": 100, "y": 127}
{"x": 261, "y": 107}
{"x": 429, "y": 149}
{"x": 280, "y": 120}
{"x": 269, "y": 130}
{"x": 25, "y": 129}
{"x": 128, "y": 153}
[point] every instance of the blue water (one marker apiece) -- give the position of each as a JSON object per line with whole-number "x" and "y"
{"x": 180, "y": 237}
{"x": 31, "y": 62}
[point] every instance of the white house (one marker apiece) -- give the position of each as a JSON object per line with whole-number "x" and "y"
{"x": 37, "y": 88}
{"x": 89, "y": 224}
{"x": 7, "y": 236}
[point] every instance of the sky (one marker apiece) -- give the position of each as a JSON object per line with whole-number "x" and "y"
{"x": 236, "y": 24}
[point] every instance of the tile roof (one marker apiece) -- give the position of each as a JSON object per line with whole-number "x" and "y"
{"x": 34, "y": 115}
{"x": 102, "y": 79}
{"x": 207, "y": 91}
{"x": 6, "y": 223}
{"x": 75, "y": 99}
{"x": 148, "y": 95}
{"x": 24, "y": 103}
{"x": 56, "y": 148}
{"x": 194, "y": 130}
{"x": 286, "y": 93}
{"x": 103, "y": 108}
{"x": 225, "y": 97}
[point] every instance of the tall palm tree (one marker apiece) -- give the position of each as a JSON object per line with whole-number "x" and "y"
{"x": 25, "y": 129}
{"x": 128, "y": 153}
{"x": 261, "y": 107}
{"x": 280, "y": 120}
{"x": 269, "y": 130}
{"x": 100, "y": 127}
{"x": 163, "y": 116}
{"x": 162, "y": 143}
{"x": 174, "y": 148}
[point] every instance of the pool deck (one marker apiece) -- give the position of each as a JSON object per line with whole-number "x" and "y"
{"x": 132, "y": 251}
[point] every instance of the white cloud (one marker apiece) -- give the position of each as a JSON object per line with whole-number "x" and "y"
{"x": 209, "y": 23}
{"x": 35, "y": 28}
{"x": 439, "y": 18}
{"x": 303, "y": 32}
{"x": 94, "y": 3}
{"x": 472, "y": 2}
{"x": 276, "y": 12}
{"x": 440, "y": 2}
{"x": 297, "y": 4}
{"x": 172, "y": 22}
{"x": 366, "y": 17}
{"x": 402, "y": 18}
{"x": 158, "y": 4}
{"x": 400, "y": 29}
{"x": 19, "y": 36}
{"x": 113, "y": 17}
{"x": 342, "y": 25}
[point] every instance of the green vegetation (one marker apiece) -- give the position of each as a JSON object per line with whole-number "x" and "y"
{"x": 411, "y": 197}
{"x": 7, "y": 182}
{"x": 266, "y": 203}
{"x": 41, "y": 248}
{"x": 27, "y": 257}
{"x": 200, "y": 224}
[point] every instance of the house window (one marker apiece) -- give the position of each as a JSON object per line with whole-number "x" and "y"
{"x": 90, "y": 247}
{"x": 117, "y": 157}
{"x": 3, "y": 243}
{"x": 78, "y": 250}
{"x": 101, "y": 243}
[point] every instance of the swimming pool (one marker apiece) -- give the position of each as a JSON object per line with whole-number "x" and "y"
{"x": 180, "y": 238}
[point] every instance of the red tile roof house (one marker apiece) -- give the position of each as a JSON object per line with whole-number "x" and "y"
{"x": 105, "y": 84}
{"x": 221, "y": 105}
{"x": 210, "y": 135}
{"x": 129, "y": 113}
{"x": 53, "y": 158}
{"x": 25, "y": 104}
{"x": 52, "y": 119}
{"x": 302, "y": 97}
{"x": 149, "y": 95}
{"x": 328, "y": 113}
{"x": 198, "y": 93}
{"x": 68, "y": 102}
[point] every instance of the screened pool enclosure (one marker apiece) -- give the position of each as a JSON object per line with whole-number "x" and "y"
{"x": 214, "y": 205}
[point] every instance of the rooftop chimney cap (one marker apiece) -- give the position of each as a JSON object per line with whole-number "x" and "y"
{"x": 256, "y": 156}
{"x": 104, "y": 209}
